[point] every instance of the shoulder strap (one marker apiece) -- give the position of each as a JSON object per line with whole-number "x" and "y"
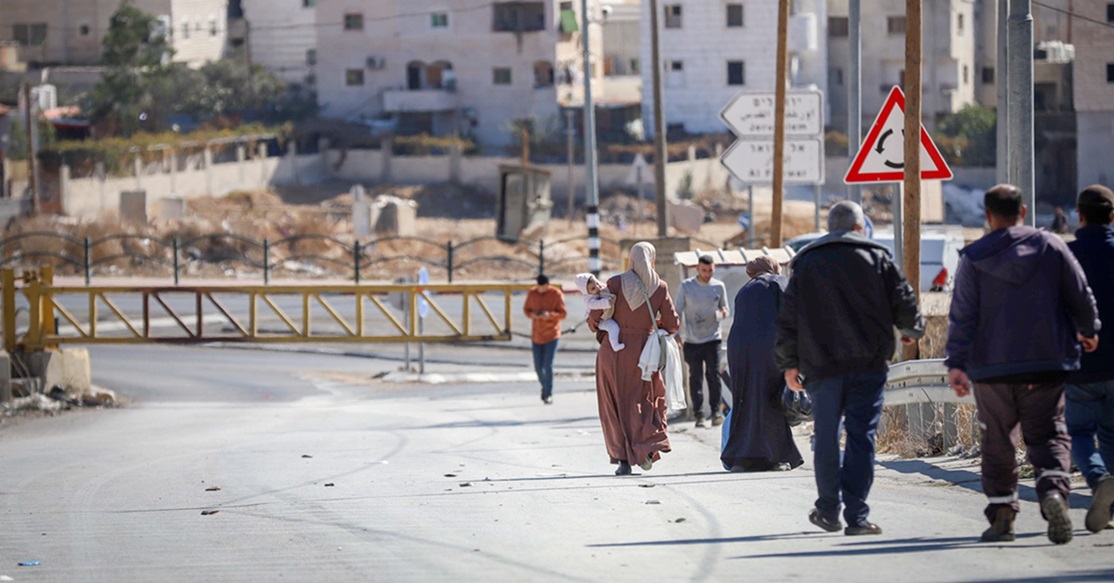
{"x": 653, "y": 320}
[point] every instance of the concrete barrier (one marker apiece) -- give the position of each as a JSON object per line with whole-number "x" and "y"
{"x": 67, "y": 368}
{"x": 5, "y": 377}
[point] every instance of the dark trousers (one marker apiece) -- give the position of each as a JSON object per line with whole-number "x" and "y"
{"x": 1038, "y": 410}
{"x": 857, "y": 399}
{"x": 543, "y": 365}
{"x": 703, "y": 363}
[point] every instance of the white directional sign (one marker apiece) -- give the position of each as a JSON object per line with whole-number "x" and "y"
{"x": 751, "y": 114}
{"x": 752, "y": 161}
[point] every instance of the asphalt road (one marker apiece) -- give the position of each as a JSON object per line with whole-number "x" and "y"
{"x": 326, "y": 474}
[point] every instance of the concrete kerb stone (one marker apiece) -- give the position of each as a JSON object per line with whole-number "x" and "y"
{"x": 67, "y": 368}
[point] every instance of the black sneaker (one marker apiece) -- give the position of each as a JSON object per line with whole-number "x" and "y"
{"x": 1098, "y": 516}
{"x": 861, "y": 529}
{"x": 1055, "y": 511}
{"x": 700, "y": 421}
{"x": 828, "y": 525}
{"x": 624, "y": 468}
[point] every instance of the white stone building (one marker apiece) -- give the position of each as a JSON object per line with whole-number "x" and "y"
{"x": 1094, "y": 91}
{"x": 713, "y": 49}
{"x": 622, "y": 51}
{"x": 70, "y": 32}
{"x": 281, "y": 36}
{"x": 448, "y": 66}
{"x": 948, "y": 71}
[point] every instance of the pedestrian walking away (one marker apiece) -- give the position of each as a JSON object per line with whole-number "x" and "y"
{"x": 759, "y": 438}
{"x": 545, "y": 306}
{"x": 632, "y": 411}
{"x": 702, "y": 305}
{"x": 836, "y": 330}
{"x": 1020, "y": 309}
{"x": 1089, "y": 393}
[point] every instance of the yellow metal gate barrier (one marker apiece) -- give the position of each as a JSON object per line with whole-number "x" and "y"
{"x": 253, "y": 314}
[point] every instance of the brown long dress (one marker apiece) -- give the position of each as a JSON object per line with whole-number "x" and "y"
{"x": 632, "y": 411}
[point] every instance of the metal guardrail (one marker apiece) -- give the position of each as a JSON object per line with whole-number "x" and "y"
{"x": 252, "y": 314}
{"x": 919, "y": 382}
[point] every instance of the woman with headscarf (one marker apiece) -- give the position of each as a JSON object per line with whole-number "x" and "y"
{"x": 632, "y": 411}
{"x": 760, "y": 438}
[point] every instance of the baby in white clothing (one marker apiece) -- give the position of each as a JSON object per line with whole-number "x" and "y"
{"x": 598, "y": 298}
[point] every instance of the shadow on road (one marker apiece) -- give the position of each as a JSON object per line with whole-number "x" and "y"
{"x": 971, "y": 480}
{"x": 899, "y": 546}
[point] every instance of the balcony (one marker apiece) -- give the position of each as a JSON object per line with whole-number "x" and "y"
{"x": 419, "y": 100}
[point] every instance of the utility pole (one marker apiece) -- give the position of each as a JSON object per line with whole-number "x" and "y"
{"x": 1020, "y": 31}
{"x": 855, "y": 91}
{"x": 32, "y": 153}
{"x": 661, "y": 155}
{"x": 570, "y": 132}
{"x": 912, "y": 192}
{"x": 592, "y": 205}
{"x": 779, "y": 119}
{"x": 1002, "y": 87}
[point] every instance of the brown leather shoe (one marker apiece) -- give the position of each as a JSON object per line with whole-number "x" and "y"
{"x": 828, "y": 525}
{"x": 1001, "y": 528}
{"x": 1055, "y": 511}
{"x": 861, "y": 529}
{"x": 1098, "y": 516}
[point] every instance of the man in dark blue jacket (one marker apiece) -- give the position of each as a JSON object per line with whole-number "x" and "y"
{"x": 1020, "y": 309}
{"x": 1089, "y": 395}
{"x": 836, "y": 328}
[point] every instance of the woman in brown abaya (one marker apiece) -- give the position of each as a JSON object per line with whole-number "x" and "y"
{"x": 632, "y": 411}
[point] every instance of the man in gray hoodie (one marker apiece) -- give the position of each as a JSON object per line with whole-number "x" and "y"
{"x": 1020, "y": 310}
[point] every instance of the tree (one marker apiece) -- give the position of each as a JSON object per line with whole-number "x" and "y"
{"x": 132, "y": 94}
{"x": 976, "y": 126}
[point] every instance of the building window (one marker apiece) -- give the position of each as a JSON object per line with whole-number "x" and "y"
{"x": 672, "y": 16}
{"x": 959, "y": 24}
{"x": 213, "y": 26}
{"x": 354, "y": 77}
{"x": 838, "y": 26}
{"x": 544, "y": 75}
{"x": 83, "y": 30}
{"x": 988, "y": 75}
{"x": 501, "y": 76}
{"x": 439, "y": 20}
{"x": 518, "y": 16}
{"x": 895, "y": 25}
{"x": 29, "y": 35}
{"x": 185, "y": 29}
{"x": 736, "y": 73}
{"x": 354, "y": 21}
{"x": 966, "y": 74}
{"x": 309, "y": 3}
{"x": 734, "y": 16}
{"x": 674, "y": 74}
{"x": 635, "y": 66}
{"x": 1110, "y": 12}
{"x": 311, "y": 57}
{"x": 835, "y": 77}
{"x": 1110, "y": 72}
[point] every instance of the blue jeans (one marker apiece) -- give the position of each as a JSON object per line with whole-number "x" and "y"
{"x": 543, "y": 365}
{"x": 855, "y": 399}
{"x": 1089, "y": 413}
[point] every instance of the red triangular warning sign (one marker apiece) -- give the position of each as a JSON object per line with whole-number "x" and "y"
{"x": 881, "y": 157}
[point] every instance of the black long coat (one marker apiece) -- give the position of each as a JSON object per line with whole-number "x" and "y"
{"x": 759, "y": 435}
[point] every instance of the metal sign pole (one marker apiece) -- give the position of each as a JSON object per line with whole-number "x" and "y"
{"x": 753, "y": 217}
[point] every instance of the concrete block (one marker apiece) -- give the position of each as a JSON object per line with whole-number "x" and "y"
{"x": 133, "y": 206}
{"x": 67, "y": 368}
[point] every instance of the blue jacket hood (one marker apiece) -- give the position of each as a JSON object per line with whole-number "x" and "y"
{"x": 1013, "y": 254}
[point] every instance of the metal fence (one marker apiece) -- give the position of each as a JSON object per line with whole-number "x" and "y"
{"x": 88, "y": 256}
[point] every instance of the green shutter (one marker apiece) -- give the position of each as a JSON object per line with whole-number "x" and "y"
{"x": 568, "y": 22}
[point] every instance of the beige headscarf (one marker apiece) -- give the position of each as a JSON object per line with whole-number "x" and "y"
{"x": 641, "y": 273}
{"x": 762, "y": 265}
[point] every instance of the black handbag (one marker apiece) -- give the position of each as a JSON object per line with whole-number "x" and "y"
{"x": 796, "y": 406}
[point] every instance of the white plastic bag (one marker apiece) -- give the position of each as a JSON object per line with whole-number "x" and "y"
{"x": 673, "y": 378}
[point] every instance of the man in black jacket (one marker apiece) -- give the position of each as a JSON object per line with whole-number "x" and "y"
{"x": 836, "y": 329}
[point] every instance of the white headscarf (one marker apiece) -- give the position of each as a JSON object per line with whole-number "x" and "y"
{"x": 641, "y": 273}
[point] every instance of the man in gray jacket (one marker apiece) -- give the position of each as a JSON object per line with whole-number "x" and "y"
{"x": 1020, "y": 309}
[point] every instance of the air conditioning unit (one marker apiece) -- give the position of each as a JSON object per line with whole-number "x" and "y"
{"x": 376, "y": 62}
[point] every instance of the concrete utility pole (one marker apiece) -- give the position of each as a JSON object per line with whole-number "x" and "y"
{"x": 1020, "y": 49}
{"x": 570, "y": 131}
{"x": 855, "y": 92}
{"x": 32, "y": 152}
{"x": 592, "y": 205}
{"x": 1002, "y": 87}
{"x": 661, "y": 155}
{"x": 779, "y": 119}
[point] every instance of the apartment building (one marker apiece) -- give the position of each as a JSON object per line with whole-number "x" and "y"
{"x": 948, "y": 72}
{"x": 1093, "y": 74}
{"x": 622, "y": 51}
{"x": 70, "y": 32}
{"x": 713, "y": 49}
{"x": 453, "y": 66}
{"x": 280, "y": 35}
